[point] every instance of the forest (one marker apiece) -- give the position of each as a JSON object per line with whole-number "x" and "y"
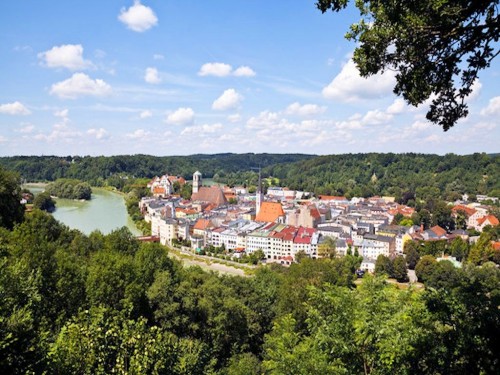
{"x": 69, "y": 189}
{"x": 96, "y": 170}
{"x": 102, "y": 304}
{"x": 427, "y": 176}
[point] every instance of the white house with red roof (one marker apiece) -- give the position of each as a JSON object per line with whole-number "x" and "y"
{"x": 164, "y": 186}
{"x": 486, "y": 220}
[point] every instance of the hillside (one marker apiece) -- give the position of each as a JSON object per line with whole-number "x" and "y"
{"x": 92, "y": 169}
{"x": 429, "y": 176}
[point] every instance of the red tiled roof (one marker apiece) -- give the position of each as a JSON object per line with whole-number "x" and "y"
{"x": 209, "y": 207}
{"x": 211, "y": 194}
{"x": 304, "y": 235}
{"x": 187, "y": 211}
{"x": 469, "y": 211}
{"x": 332, "y": 198}
{"x": 403, "y": 210}
{"x": 159, "y": 190}
{"x": 492, "y": 220}
{"x": 202, "y": 224}
{"x": 270, "y": 212}
{"x": 438, "y": 230}
{"x": 286, "y": 234}
{"x": 178, "y": 179}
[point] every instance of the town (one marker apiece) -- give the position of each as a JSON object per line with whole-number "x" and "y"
{"x": 284, "y": 223}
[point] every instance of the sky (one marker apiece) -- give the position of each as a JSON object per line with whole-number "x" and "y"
{"x": 179, "y": 77}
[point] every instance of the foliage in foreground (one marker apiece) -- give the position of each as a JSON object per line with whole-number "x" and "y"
{"x": 94, "y": 304}
{"x": 436, "y": 47}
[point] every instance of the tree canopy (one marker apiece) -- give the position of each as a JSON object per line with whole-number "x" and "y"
{"x": 436, "y": 47}
{"x": 11, "y": 210}
{"x": 100, "y": 304}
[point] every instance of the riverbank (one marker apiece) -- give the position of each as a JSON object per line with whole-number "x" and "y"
{"x": 105, "y": 211}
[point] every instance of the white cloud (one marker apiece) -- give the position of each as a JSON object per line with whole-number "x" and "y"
{"x": 484, "y": 126}
{"x": 476, "y": 90}
{"x": 234, "y": 118}
{"x": 223, "y": 70}
{"x": 98, "y": 133}
{"x": 69, "y": 56}
{"x": 138, "y": 134}
{"x": 271, "y": 129}
{"x": 3, "y": 139}
{"x": 157, "y": 56}
{"x": 138, "y": 17}
{"x": 201, "y": 130}
{"x": 376, "y": 117}
{"x": 350, "y": 124}
{"x": 27, "y": 129}
{"x": 304, "y": 110}
{"x": 215, "y": 69}
{"x": 16, "y": 108}
{"x": 433, "y": 138}
{"x": 349, "y": 86}
{"x": 80, "y": 84}
{"x": 493, "y": 108}
{"x": 181, "y": 116}
{"x": 146, "y": 114}
{"x": 228, "y": 100}
{"x": 23, "y": 48}
{"x": 61, "y": 132}
{"x": 62, "y": 113}
{"x": 152, "y": 76}
{"x": 397, "y": 107}
{"x": 100, "y": 54}
{"x": 265, "y": 119}
{"x": 420, "y": 125}
{"x": 244, "y": 71}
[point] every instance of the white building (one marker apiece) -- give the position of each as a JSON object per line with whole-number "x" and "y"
{"x": 374, "y": 245}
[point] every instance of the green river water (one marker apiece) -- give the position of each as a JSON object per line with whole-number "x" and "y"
{"x": 105, "y": 212}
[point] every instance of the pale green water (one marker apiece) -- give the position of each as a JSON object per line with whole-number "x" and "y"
{"x": 105, "y": 212}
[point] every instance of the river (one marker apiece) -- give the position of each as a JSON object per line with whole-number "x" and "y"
{"x": 105, "y": 212}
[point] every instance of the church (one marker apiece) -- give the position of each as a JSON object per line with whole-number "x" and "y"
{"x": 212, "y": 195}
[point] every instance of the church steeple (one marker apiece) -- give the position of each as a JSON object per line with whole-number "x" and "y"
{"x": 258, "y": 197}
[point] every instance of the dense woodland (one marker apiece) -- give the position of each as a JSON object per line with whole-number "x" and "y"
{"x": 71, "y": 303}
{"x": 96, "y": 170}
{"x": 69, "y": 189}
{"x": 426, "y": 176}
{"x": 100, "y": 304}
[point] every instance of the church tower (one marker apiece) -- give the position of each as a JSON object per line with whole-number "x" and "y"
{"x": 196, "y": 181}
{"x": 258, "y": 197}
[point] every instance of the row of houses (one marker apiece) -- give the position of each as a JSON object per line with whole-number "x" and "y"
{"x": 281, "y": 226}
{"x": 477, "y": 216}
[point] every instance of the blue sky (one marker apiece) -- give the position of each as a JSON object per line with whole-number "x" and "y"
{"x": 182, "y": 77}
